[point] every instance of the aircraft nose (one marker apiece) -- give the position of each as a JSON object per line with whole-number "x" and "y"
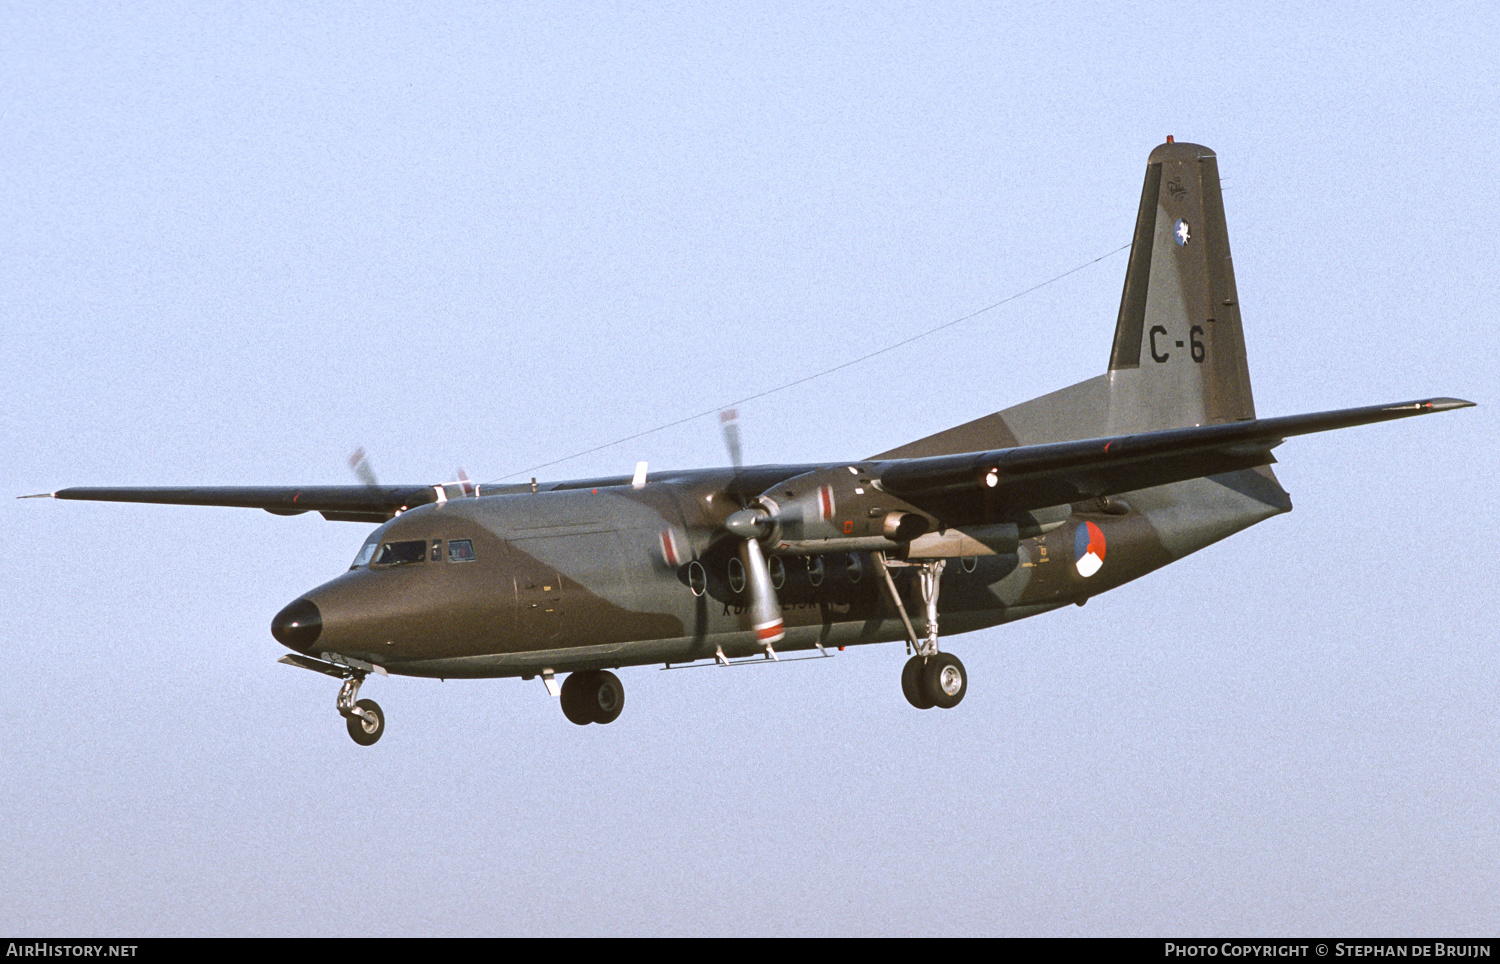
{"x": 298, "y": 625}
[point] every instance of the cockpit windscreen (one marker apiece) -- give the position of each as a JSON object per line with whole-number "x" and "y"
{"x": 366, "y": 553}
{"x": 401, "y": 553}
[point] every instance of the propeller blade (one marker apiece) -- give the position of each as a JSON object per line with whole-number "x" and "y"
{"x": 765, "y": 608}
{"x": 361, "y": 466}
{"x": 750, "y": 525}
{"x": 729, "y": 420}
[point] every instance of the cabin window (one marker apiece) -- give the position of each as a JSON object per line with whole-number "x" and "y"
{"x": 401, "y": 553}
{"x": 461, "y": 550}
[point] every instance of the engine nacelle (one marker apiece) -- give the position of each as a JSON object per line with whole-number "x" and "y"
{"x": 838, "y": 510}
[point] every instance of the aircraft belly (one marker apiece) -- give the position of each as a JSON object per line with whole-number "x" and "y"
{"x": 678, "y": 650}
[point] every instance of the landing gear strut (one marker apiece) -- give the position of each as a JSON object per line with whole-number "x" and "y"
{"x": 931, "y": 574}
{"x": 929, "y": 678}
{"x": 592, "y": 696}
{"x": 365, "y": 719}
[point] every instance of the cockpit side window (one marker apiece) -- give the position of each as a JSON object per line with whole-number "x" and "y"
{"x": 461, "y": 550}
{"x": 401, "y": 553}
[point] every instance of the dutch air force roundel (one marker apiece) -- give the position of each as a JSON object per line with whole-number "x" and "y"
{"x": 1088, "y": 549}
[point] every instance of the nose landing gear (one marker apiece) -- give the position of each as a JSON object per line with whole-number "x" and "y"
{"x": 365, "y": 719}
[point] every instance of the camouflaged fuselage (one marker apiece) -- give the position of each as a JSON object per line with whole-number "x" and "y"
{"x": 581, "y": 578}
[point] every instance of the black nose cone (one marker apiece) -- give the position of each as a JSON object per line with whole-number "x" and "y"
{"x": 298, "y": 625}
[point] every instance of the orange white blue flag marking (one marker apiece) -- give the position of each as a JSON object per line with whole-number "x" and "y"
{"x": 1088, "y": 549}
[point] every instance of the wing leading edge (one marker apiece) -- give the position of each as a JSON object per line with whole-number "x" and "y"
{"x": 338, "y": 503}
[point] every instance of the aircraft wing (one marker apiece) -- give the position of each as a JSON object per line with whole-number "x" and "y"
{"x": 972, "y": 486}
{"x": 339, "y": 503}
{"x": 958, "y": 489}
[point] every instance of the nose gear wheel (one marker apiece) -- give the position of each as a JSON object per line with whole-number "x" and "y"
{"x": 364, "y": 718}
{"x": 366, "y": 729}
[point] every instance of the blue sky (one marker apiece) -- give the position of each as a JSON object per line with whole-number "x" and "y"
{"x": 243, "y": 242}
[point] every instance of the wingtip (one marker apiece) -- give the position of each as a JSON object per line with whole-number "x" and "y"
{"x": 1448, "y": 404}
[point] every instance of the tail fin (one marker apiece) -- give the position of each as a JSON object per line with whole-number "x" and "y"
{"x": 1179, "y": 351}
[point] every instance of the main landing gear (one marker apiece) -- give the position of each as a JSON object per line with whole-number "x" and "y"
{"x": 929, "y": 678}
{"x": 936, "y": 680}
{"x": 592, "y": 696}
{"x": 365, "y": 719}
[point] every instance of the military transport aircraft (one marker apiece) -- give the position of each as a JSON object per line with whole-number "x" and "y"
{"x": 1010, "y": 515}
